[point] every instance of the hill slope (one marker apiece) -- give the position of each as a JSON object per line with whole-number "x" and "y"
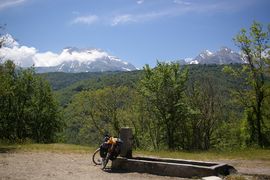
{"x": 68, "y": 84}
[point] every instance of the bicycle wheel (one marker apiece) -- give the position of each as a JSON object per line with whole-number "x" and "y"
{"x": 105, "y": 161}
{"x": 96, "y": 157}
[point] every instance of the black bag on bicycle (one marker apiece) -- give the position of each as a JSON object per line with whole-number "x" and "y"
{"x": 104, "y": 149}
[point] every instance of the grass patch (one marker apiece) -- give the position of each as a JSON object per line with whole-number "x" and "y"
{"x": 236, "y": 177}
{"x": 244, "y": 154}
{"x": 60, "y": 148}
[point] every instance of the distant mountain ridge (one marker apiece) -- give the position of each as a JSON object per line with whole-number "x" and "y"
{"x": 98, "y": 64}
{"x": 75, "y": 60}
{"x": 110, "y": 63}
{"x": 223, "y": 56}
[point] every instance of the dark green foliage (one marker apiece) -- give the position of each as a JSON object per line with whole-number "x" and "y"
{"x": 163, "y": 89}
{"x": 27, "y": 106}
{"x": 253, "y": 92}
{"x": 205, "y": 114}
{"x": 60, "y": 80}
{"x": 93, "y": 82}
{"x": 91, "y": 114}
{"x": 138, "y": 114}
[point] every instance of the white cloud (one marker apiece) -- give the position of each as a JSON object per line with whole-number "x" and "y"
{"x": 140, "y": 1}
{"x": 46, "y": 59}
{"x": 122, "y": 19}
{"x": 9, "y": 3}
{"x": 53, "y": 59}
{"x": 89, "y": 19}
{"x": 27, "y": 56}
{"x": 139, "y": 18}
{"x": 82, "y": 56}
{"x": 161, "y": 9}
{"x": 180, "y": 2}
{"x": 148, "y": 16}
{"x": 179, "y": 8}
{"x": 20, "y": 55}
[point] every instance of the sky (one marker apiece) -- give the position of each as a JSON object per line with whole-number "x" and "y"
{"x": 137, "y": 31}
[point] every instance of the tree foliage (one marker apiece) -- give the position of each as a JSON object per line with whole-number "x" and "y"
{"x": 163, "y": 89}
{"x": 97, "y": 111}
{"x": 205, "y": 116}
{"x": 254, "y": 92}
{"x": 208, "y": 106}
{"x": 28, "y": 109}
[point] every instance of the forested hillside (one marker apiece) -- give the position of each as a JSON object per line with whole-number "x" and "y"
{"x": 66, "y": 85}
{"x": 85, "y": 98}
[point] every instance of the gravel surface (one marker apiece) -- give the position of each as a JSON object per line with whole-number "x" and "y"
{"x": 57, "y": 166}
{"x": 252, "y": 167}
{"x": 45, "y": 165}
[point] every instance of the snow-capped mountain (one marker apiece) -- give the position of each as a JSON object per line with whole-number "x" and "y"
{"x": 88, "y": 60}
{"x": 8, "y": 41}
{"x": 223, "y": 56}
{"x": 70, "y": 59}
{"x": 201, "y": 57}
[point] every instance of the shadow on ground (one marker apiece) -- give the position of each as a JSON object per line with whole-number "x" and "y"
{"x": 109, "y": 170}
{"x": 7, "y": 149}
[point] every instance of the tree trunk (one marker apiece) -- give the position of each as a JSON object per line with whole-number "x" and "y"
{"x": 259, "y": 121}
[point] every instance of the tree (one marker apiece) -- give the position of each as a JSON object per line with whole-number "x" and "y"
{"x": 110, "y": 101}
{"x": 45, "y": 112}
{"x": 255, "y": 48}
{"x": 147, "y": 128}
{"x": 94, "y": 113}
{"x": 80, "y": 120}
{"x": 208, "y": 106}
{"x": 7, "y": 78}
{"x": 27, "y": 106}
{"x": 163, "y": 89}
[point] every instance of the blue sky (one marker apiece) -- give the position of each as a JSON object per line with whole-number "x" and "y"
{"x": 137, "y": 31}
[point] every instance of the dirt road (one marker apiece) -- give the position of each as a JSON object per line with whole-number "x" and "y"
{"x": 64, "y": 166}
{"x": 45, "y": 165}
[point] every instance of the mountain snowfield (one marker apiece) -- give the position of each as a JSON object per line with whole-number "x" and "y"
{"x": 72, "y": 59}
{"x": 87, "y": 60}
{"x": 223, "y": 56}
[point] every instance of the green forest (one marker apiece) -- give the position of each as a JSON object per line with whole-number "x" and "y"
{"x": 168, "y": 107}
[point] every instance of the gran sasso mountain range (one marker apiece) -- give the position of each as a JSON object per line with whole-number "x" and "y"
{"x": 73, "y": 60}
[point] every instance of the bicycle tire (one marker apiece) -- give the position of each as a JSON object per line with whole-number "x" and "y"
{"x": 96, "y": 153}
{"x": 105, "y": 161}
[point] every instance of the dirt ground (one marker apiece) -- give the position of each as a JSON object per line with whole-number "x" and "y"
{"x": 252, "y": 167}
{"x": 46, "y": 165}
{"x": 20, "y": 166}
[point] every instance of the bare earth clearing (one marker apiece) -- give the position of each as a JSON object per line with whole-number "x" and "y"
{"x": 46, "y": 165}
